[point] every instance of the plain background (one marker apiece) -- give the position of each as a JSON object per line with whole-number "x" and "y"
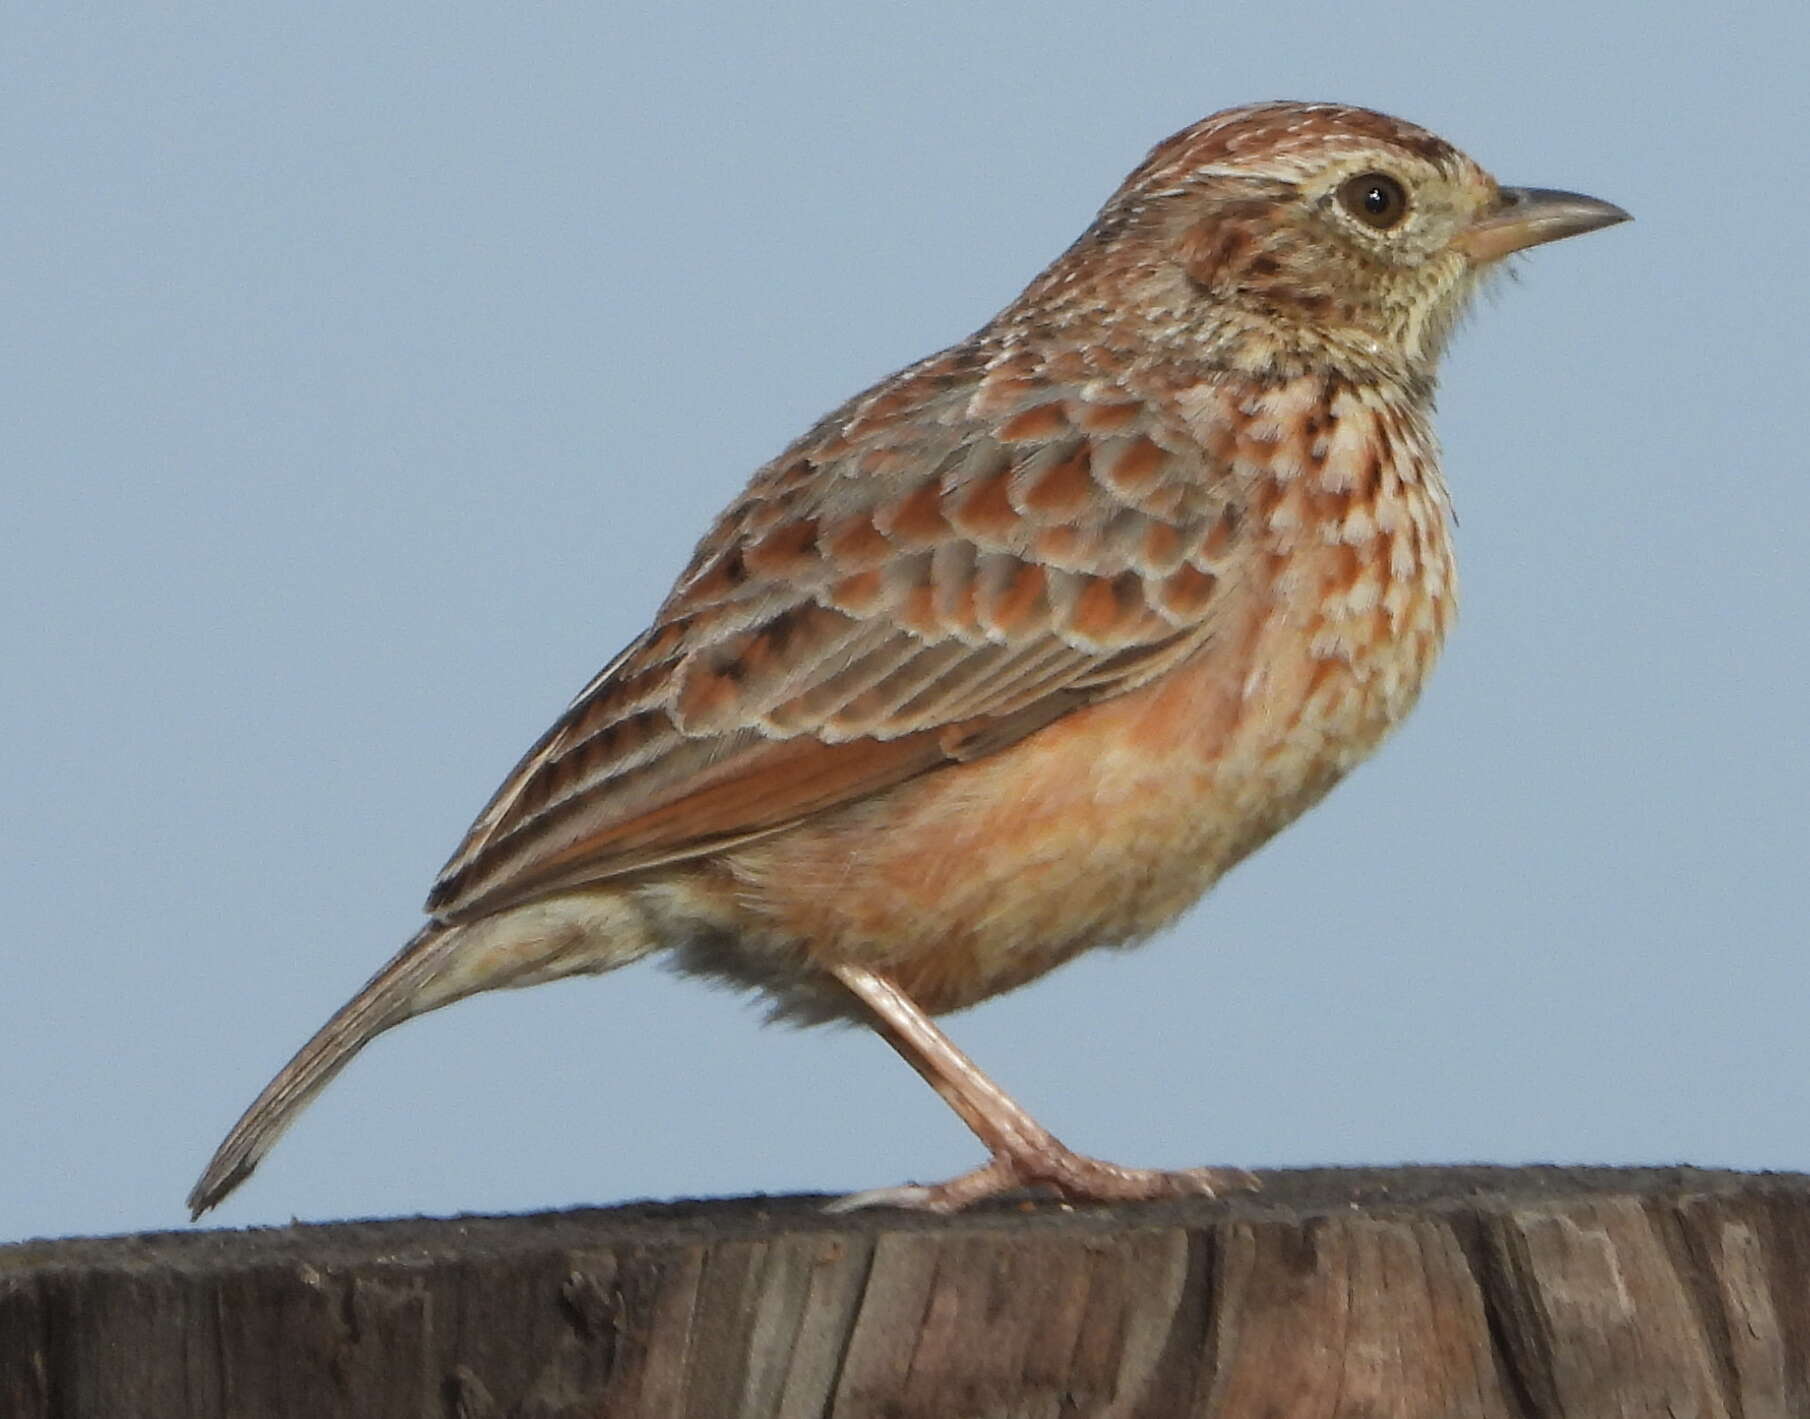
{"x": 369, "y": 372}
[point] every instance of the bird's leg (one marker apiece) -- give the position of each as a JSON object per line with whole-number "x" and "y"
{"x": 1024, "y": 1152}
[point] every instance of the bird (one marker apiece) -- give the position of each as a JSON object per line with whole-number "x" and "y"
{"x": 1016, "y": 653}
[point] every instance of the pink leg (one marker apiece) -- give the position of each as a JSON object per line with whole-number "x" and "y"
{"x": 1025, "y": 1153}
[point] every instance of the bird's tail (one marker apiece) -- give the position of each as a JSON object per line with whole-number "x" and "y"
{"x": 580, "y": 933}
{"x": 395, "y": 993}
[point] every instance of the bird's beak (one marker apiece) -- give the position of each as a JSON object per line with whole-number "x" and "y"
{"x": 1527, "y": 216}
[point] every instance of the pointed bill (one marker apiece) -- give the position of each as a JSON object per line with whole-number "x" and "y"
{"x": 1529, "y": 216}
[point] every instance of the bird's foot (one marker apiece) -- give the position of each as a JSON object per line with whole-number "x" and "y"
{"x": 1072, "y": 1176}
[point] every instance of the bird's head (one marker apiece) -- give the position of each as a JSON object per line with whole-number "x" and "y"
{"x": 1283, "y": 231}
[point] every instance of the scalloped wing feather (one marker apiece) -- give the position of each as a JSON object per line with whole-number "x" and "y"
{"x": 948, "y": 563}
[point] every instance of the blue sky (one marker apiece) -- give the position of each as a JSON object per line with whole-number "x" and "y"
{"x": 370, "y": 374}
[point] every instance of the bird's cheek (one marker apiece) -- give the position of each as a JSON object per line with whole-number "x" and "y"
{"x": 1432, "y": 318}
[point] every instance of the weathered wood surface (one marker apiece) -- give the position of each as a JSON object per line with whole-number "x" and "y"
{"x": 1421, "y": 1293}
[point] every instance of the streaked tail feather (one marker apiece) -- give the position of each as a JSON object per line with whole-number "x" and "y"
{"x": 394, "y": 994}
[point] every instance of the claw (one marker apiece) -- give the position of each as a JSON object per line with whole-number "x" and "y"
{"x": 1072, "y": 1176}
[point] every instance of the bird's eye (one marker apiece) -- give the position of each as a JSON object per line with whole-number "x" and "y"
{"x": 1375, "y": 199}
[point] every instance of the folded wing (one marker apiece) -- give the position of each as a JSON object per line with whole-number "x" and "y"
{"x": 942, "y": 567}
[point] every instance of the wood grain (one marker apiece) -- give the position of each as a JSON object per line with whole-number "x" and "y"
{"x": 1420, "y": 1293}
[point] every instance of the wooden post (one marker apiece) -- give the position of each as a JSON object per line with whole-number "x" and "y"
{"x": 1414, "y": 1293}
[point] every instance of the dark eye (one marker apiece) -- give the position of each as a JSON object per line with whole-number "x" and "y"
{"x": 1375, "y": 199}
